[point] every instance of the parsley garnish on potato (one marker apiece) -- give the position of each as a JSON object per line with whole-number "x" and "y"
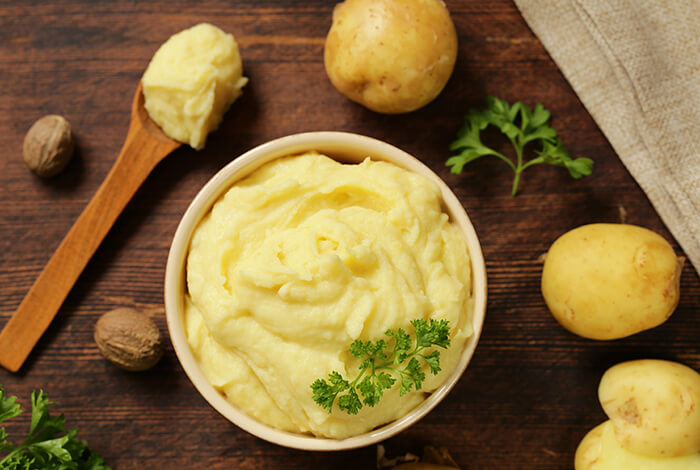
{"x": 522, "y": 126}
{"x": 49, "y": 445}
{"x": 383, "y": 363}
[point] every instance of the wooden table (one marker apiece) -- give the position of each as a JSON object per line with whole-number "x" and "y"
{"x": 528, "y": 396}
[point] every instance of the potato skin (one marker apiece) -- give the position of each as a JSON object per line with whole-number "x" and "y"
{"x": 608, "y": 281}
{"x": 391, "y": 56}
{"x": 654, "y": 406}
{"x": 589, "y": 450}
{"x": 599, "y": 450}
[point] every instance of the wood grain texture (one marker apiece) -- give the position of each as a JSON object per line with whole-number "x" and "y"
{"x": 528, "y": 396}
{"x": 145, "y": 146}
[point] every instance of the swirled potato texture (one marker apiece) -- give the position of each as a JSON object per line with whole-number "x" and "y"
{"x": 303, "y": 257}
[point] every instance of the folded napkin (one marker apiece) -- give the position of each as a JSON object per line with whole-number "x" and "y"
{"x": 635, "y": 65}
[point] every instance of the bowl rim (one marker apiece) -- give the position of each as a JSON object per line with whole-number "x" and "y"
{"x": 342, "y": 146}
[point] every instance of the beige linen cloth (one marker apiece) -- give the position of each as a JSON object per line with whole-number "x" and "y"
{"x": 635, "y": 65}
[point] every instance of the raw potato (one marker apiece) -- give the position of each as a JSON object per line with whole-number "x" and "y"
{"x": 654, "y": 407}
{"x": 599, "y": 450}
{"x": 608, "y": 281}
{"x": 391, "y": 56}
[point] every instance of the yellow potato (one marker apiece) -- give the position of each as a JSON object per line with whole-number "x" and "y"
{"x": 654, "y": 407}
{"x": 608, "y": 281}
{"x": 391, "y": 56}
{"x": 599, "y": 450}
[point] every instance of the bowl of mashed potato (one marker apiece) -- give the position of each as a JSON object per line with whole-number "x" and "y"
{"x": 297, "y": 250}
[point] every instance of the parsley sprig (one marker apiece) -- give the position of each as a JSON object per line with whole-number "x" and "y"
{"x": 522, "y": 126}
{"x": 383, "y": 363}
{"x": 49, "y": 445}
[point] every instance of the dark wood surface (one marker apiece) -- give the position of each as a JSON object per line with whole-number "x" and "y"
{"x": 528, "y": 396}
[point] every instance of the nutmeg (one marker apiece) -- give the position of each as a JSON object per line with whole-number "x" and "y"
{"x": 129, "y": 339}
{"x": 48, "y": 146}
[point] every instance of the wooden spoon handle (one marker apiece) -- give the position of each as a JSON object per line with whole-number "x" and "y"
{"x": 138, "y": 157}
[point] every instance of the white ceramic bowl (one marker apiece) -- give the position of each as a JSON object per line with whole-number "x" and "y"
{"x": 344, "y": 147}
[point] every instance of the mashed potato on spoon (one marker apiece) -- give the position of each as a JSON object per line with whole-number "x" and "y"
{"x": 192, "y": 80}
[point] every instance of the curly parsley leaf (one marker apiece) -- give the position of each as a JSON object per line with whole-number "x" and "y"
{"x": 383, "y": 364}
{"x": 520, "y": 125}
{"x": 49, "y": 444}
{"x": 433, "y": 361}
{"x": 326, "y": 391}
{"x": 436, "y": 333}
{"x": 9, "y": 408}
{"x": 402, "y": 344}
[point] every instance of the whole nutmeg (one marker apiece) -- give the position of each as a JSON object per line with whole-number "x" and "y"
{"x": 129, "y": 339}
{"x": 48, "y": 146}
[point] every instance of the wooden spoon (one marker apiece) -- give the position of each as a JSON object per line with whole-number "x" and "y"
{"x": 145, "y": 146}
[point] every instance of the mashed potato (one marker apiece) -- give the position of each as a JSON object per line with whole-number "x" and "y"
{"x": 303, "y": 257}
{"x": 192, "y": 80}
